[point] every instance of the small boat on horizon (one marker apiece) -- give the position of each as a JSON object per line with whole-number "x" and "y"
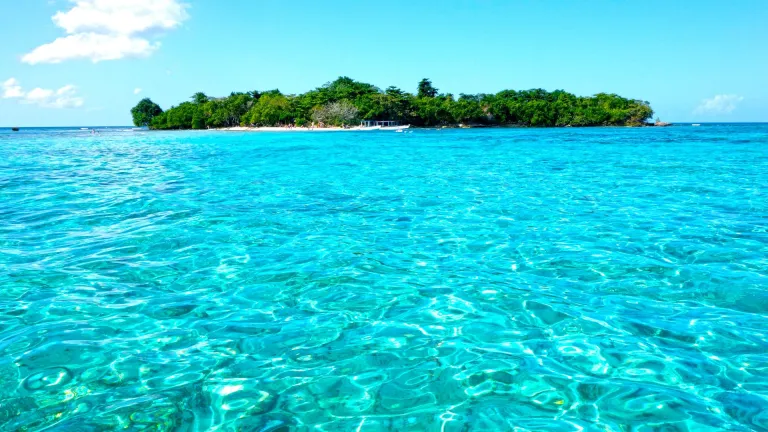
{"x": 696, "y": 124}
{"x": 15, "y": 129}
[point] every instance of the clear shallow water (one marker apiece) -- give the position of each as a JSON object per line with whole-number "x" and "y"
{"x": 557, "y": 279}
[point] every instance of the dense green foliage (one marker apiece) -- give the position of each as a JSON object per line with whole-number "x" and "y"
{"x": 144, "y": 112}
{"x": 346, "y": 101}
{"x": 426, "y": 89}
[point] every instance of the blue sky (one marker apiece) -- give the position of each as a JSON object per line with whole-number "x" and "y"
{"x": 693, "y": 60}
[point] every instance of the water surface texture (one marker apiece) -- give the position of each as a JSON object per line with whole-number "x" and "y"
{"x": 606, "y": 279}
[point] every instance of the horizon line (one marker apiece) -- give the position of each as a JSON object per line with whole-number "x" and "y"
{"x": 500, "y": 127}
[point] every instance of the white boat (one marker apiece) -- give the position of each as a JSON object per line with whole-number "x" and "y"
{"x": 696, "y": 124}
{"x": 385, "y": 125}
{"x": 395, "y": 128}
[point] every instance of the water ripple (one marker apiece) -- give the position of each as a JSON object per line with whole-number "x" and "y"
{"x": 573, "y": 279}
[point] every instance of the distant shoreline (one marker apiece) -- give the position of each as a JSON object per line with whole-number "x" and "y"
{"x": 678, "y": 123}
{"x": 357, "y": 129}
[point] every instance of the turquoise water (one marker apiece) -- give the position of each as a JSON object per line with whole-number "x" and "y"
{"x": 558, "y": 279}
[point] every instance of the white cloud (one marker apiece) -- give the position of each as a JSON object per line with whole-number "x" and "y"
{"x": 65, "y": 97}
{"x": 101, "y": 30}
{"x": 720, "y": 104}
{"x": 12, "y": 89}
{"x": 137, "y": 90}
{"x": 93, "y": 46}
{"x": 124, "y": 17}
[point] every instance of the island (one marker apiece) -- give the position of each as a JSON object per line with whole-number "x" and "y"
{"x": 346, "y": 102}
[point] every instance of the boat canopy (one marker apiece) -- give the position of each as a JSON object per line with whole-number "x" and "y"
{"x": 382, "y": 123}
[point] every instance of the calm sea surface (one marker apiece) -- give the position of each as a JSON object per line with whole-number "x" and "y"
{"x": 604, "y": 279}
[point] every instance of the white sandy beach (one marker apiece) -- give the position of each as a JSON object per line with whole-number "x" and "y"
{"x": 294, "y": 129}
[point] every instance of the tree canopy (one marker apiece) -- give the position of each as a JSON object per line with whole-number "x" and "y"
{"x": 337, "y": 113}
{"x": 345, "y": 100}
{"x": 199, "y": 98}
{"x": 144, "y": 112}
{"x": 426, "y": 89}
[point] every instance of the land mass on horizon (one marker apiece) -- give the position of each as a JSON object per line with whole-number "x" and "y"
{"x": 345, "y": 102}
